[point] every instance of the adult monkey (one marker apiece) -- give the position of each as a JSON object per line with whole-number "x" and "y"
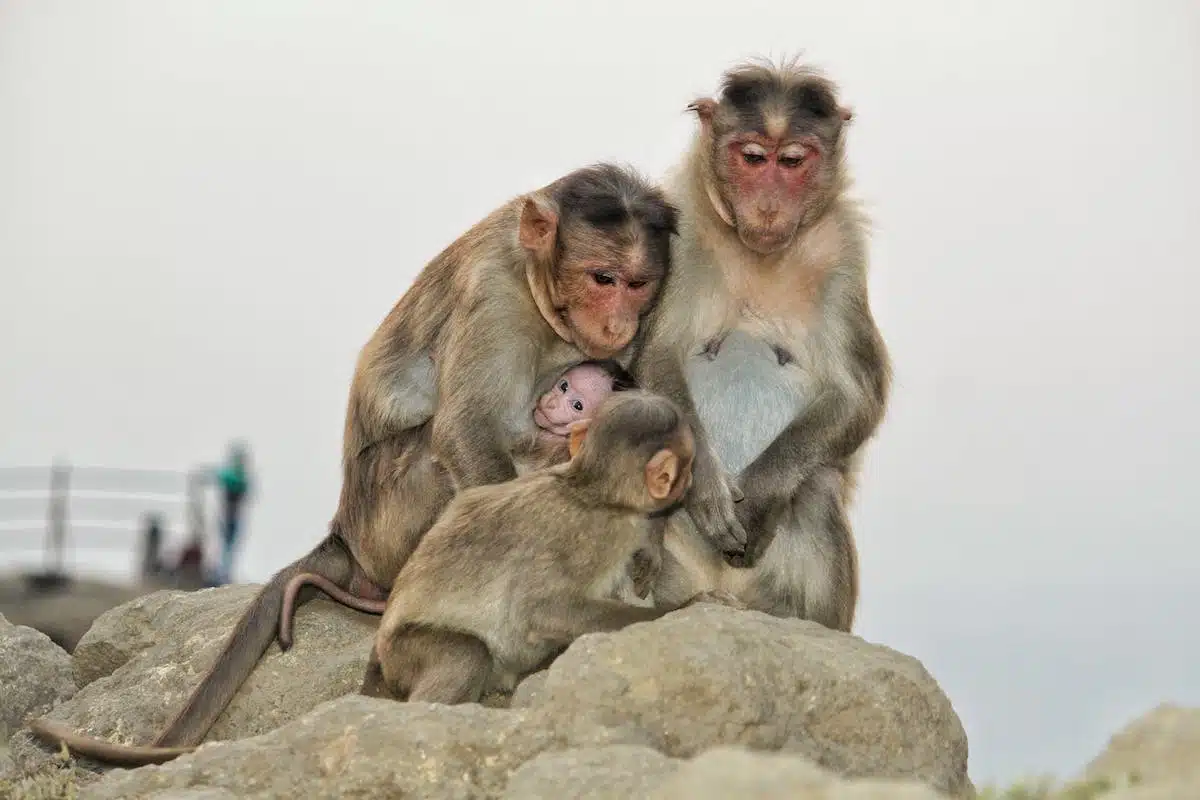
{"x": 764, "y": 334}
{"x": 563, "y": 273}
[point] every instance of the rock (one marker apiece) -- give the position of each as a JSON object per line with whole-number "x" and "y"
{"x": 726, "y": 772}
{"x": 361, "y": 747}
{"x": 1159, "y": 747}
{"x": 618, "y": 712}
{"x": 615, "y": 771}
{"x": 120, "y": 633}
{"x": 35, "y": 673}
{"x": 708, "y": 675}
{"x": 185, "y": 631}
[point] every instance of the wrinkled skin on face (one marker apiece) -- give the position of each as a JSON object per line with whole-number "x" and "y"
{"x": 603, "y": 249}
{"x": 774, "y": 148}
{"x": 575, "y": 396}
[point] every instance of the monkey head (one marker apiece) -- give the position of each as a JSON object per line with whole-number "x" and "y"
{"x": 638, "y": 449}
{"x": 771, "y": 150}
{"x": 577, "y": 394}
{"x": 599, "y": 243}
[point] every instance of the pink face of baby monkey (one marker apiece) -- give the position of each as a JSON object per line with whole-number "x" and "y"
{"x": 575, "y": 396}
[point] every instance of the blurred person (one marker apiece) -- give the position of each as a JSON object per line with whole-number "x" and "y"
{"x": 233, "y": 482}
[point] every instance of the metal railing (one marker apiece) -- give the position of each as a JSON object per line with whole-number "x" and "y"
{"x": 96, "y": 500}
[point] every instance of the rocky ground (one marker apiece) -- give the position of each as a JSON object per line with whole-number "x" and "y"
{"x": 707, "y": 702}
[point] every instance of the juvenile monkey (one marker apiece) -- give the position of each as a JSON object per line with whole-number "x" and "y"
{"x": 574, "y": 397}
{"x": 764, "y": 336}
{"x": 562, "y": 273}
{"x": 512, "y": 573}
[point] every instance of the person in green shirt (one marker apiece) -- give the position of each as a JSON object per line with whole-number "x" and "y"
{"x": 233, "y": 482}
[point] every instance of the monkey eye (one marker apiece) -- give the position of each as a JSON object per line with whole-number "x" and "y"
{"x": 754, "y": 154}
{"x": 793, "y": 156}
{"x": 578, "y": 406}
{"x": 636, "y": 284}
{"x": 603, "y": 278}
{"x": 562, "y": 387}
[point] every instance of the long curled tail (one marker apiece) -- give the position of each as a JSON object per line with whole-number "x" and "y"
{"x": 292, "y": 600}
{"x": 246, "y": 645}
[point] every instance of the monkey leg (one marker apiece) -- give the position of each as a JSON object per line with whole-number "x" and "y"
{"x": 376, "y": 604}
{"x": 373, "y": 684}
{"x": 809, "y": 568}
{"x": 421, "y": 664}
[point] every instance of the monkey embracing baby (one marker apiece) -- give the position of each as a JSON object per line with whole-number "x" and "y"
{"x": 513, "y": 572}
{"x": 573, "y": 399}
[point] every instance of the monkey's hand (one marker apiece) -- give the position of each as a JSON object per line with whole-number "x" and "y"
{"x": 644, "y": 569}
{"x": 710, "y": 504}
{"x": 758, "y": 518}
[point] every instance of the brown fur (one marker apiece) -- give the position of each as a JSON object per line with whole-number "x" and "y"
{"x": 512, "y": 573}
{"x": 774, "y": 251}
{"x": 453, "y": 369}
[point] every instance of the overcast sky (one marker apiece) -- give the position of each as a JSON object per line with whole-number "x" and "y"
{"x": 206, "y": 208}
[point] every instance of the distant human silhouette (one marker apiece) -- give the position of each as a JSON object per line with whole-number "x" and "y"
{"x": 190, "y": 568}
{"x": 233, "y": 482}
{"x": 152, "y": 541}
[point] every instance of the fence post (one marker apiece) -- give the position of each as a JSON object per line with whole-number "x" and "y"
{"x": 56, "y": 522}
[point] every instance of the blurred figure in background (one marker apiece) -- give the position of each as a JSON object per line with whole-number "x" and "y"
{"x": 233, "y": 483}
{"x": 152, "y": 542}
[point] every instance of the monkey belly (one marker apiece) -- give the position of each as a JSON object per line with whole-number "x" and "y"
{"x": 743, "y": 396}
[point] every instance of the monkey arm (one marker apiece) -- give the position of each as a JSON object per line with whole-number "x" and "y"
{"x": 486, "y": 374}
{"x": 710, "y": 502}
{"x": 853, "y": 383}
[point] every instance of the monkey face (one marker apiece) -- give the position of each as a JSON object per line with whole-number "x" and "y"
{"x": 575, "y": 396}
{"x": 774, "y": 153}
{"x": 605, "y": 287}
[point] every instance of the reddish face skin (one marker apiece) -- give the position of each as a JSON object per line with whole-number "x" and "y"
{"x": 769, "y": 184}
{"x": 575, "y": 397}
{"x": 605, "y": 295}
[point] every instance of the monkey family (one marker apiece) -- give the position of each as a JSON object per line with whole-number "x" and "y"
{"x": 735, "y": 297}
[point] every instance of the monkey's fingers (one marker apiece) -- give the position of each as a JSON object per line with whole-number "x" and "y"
{"x": 717, "y": 521}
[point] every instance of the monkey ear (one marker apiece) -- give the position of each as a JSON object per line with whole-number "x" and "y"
{"x": 704, "y": 108}
{"x": 661, "y": 472}
{"x": 578, "y": 434}
{"x": 538, "y": 227}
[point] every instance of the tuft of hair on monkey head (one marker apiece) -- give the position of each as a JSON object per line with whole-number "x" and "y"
{"x": 601, "y": 240}
{"x": 773, "y": 142}
{"x": 636, "y": 452}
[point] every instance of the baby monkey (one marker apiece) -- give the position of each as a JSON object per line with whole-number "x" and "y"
{"x": 574, "y": 397}
{"x": 513, "y": 572}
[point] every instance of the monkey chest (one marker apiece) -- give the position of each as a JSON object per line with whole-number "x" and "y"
{"x": 747, "y": 391}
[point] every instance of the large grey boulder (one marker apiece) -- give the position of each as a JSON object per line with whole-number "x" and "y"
{"x": 621, "y": 711}
{"x": 160, "y": 645}
{"x": 1159, "y": 750}
{"x": 35, "y": 675}
{"x": 362, "y": 747}
{"x": 709, "y": 675}
{"x": 728, "y": 772}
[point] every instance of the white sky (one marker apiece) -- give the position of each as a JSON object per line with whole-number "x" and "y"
{"x": 206, "y": 208}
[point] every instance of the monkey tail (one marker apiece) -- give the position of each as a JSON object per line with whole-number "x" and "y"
{"x": 249, "y": 641}
{"x": 291, "y": 602}
{"x": 251, "y": 638}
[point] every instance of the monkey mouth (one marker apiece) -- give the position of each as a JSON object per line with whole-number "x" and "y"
{"x": 766, "y": 241}
{"x": 548, "y": 427}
